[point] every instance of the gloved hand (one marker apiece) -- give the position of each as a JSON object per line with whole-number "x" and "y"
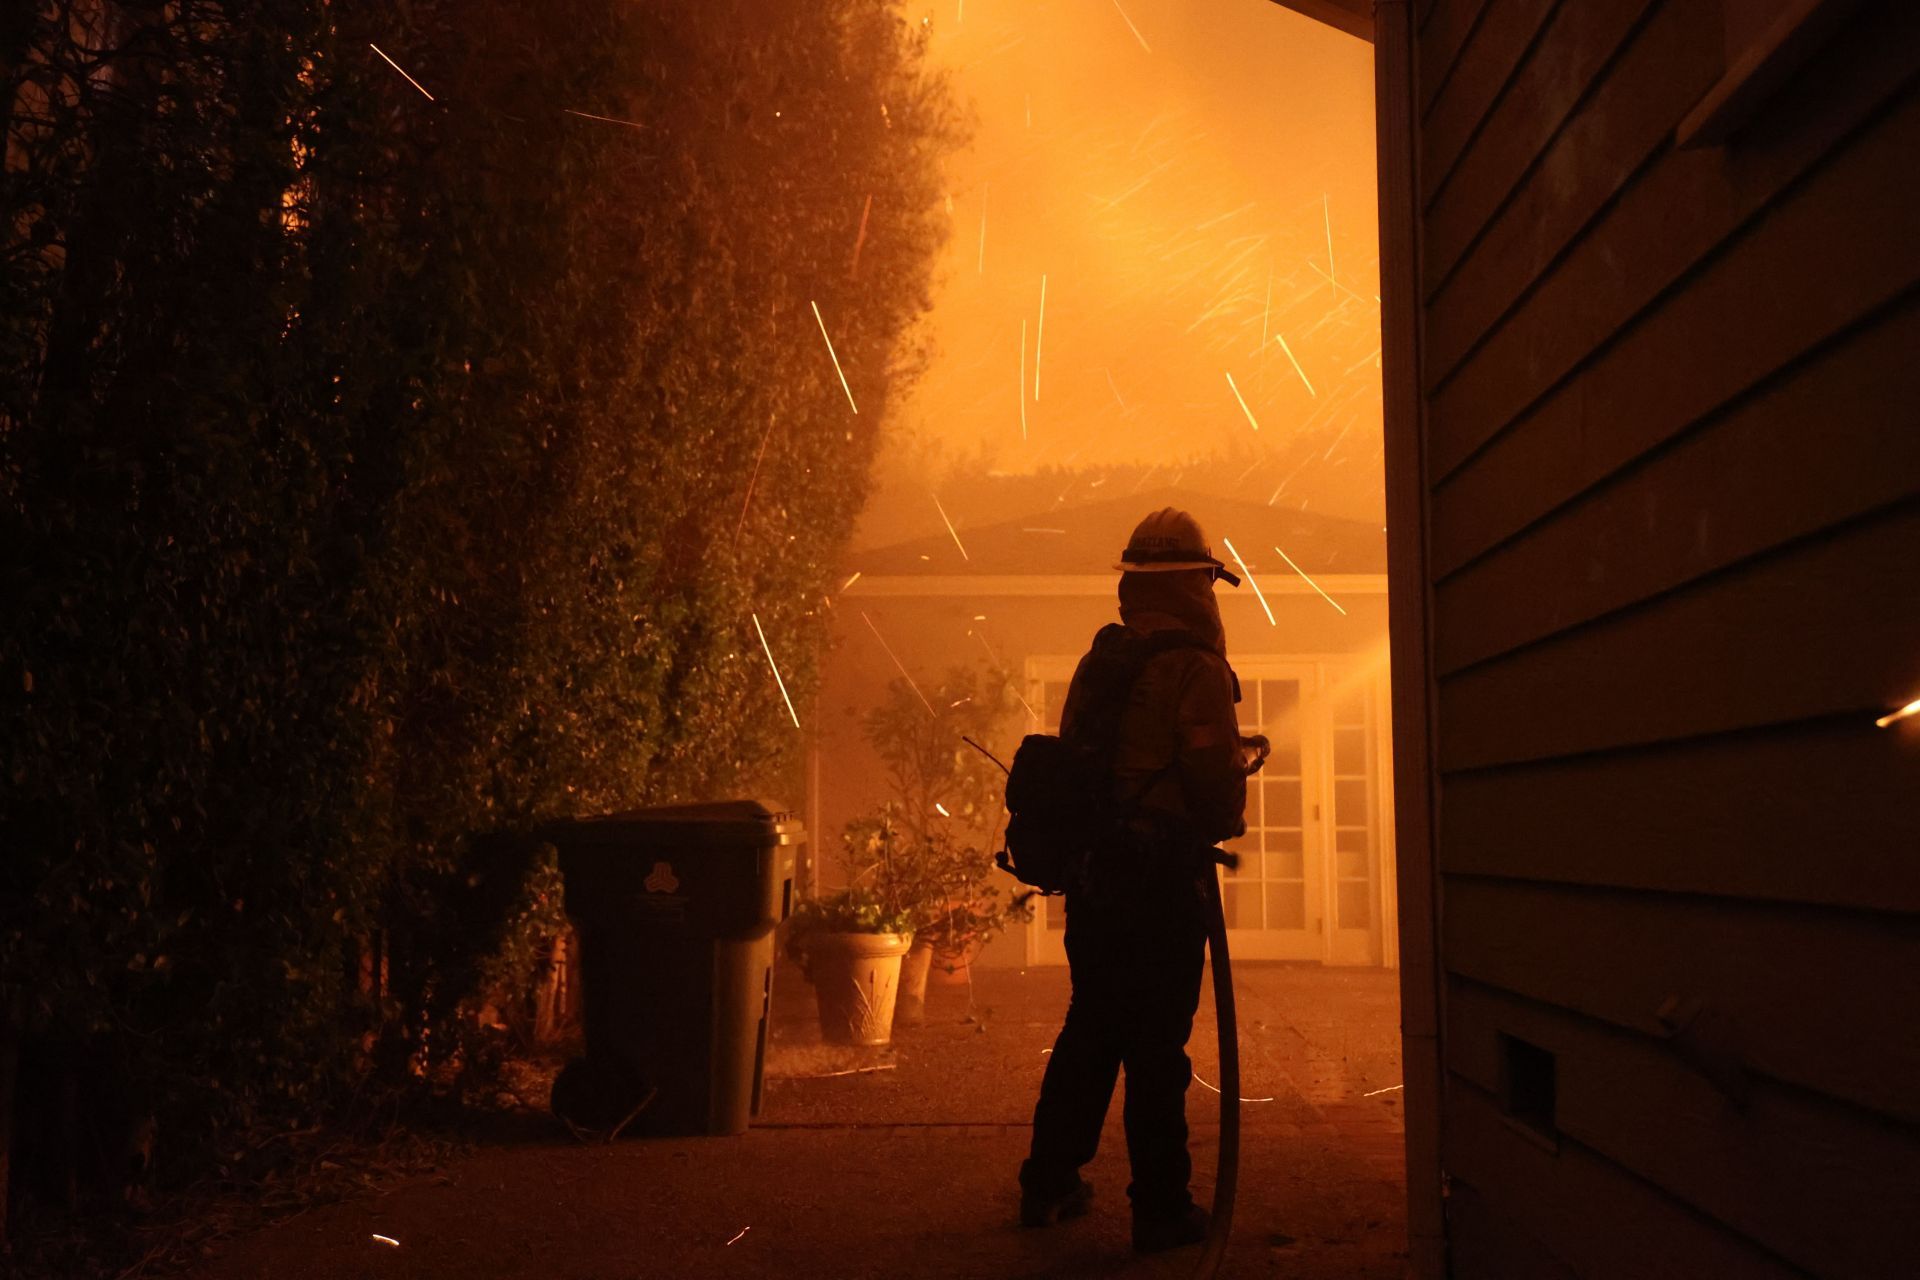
{"x": 1261, "y": 749}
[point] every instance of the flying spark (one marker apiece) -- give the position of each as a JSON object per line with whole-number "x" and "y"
{"x": 1039, "y": 335}
{"x": 1136, "y": 31}
{"x": 1266, "y": 313}
{"x": 1251, "y": 581}
{"x": 1118, "y": 398}
{"x": 850, "y": 581}
{"x": 1243, "y": 403}
{"x": 981, "y": 266}
{"x": 1296, "y": 364}
{"x": 1911, "y": 709}
{"x": 588, "y": 115}
{"x": 1377, "y": 1092}
{"x": 1326, "y": 207}
{"x": 1310, "y": 582}
{"x": 900, "y": 666}
{"x": 755, "y": 479}
{"x": 853, "y": 268}
{"x": 1202, "y": 1079}
{"x": 387, "y": 1240}
{"x": 776, "y": 671}
{"x": 942, "y": 809}
{"x": 741, "y": 1232}
{"x": 950, "y": 529}
{"x": 1023, "y": 379}
{"x": 402, "y": 70}
{"x": 836, "y": 359}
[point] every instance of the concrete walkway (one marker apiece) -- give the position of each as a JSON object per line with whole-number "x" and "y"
{"x": 909, "y": 1170}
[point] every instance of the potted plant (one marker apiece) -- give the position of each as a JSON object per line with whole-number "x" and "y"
{"x": 930, "y": 847}
{"x": 850, "y": 944}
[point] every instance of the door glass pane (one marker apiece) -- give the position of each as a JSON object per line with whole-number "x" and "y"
{"x": 1285, "y": 865}
{"x": 1286, "y": 905}
{"x": 1352, "y": 864}
{"x": 1355, "y": 903}
{"x": 1279, "y": 711}
{"x": 1350, "y": 802}
{"x": 1282, "y": 802}
{"x": 1242, "y": 903}
{"x": 1350, "y": 752}
{"x": 1250, "y": 865}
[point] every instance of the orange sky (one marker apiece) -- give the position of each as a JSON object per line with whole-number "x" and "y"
{"x": 1166, "y": 184}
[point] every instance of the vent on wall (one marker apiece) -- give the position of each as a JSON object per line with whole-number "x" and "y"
{"x": 1527, "y": 1090}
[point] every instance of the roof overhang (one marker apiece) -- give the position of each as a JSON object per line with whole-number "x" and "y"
{"x": 1355, "y": 17}
{"x": 927, "y": 585}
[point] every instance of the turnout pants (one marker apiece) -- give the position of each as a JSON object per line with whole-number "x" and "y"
{"x": 1135, "y": 967}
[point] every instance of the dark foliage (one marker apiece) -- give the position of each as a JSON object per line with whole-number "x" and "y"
{"x": 376, "y": 472}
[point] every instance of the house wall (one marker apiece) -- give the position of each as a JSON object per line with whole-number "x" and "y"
{"x": 929, "y": 634}
{"x": 1670, "y": 474}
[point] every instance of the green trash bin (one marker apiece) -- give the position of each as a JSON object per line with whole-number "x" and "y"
{"x": 675, "y": 908}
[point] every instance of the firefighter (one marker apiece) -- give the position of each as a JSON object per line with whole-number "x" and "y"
{"x": 1136, "y": 933}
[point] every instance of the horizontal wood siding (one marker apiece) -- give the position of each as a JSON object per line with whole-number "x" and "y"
{"x": 1673, "y": 475}
{"x": 1731, "y": 815}
{"x": 1824, "y": 1186}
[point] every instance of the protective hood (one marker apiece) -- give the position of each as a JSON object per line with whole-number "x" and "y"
{"x": 1182, "y": 599}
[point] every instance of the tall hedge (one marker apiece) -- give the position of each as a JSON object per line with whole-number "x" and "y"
{"x": 378, "y": 472}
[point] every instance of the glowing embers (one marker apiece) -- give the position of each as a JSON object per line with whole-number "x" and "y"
{"x": 835, "y": 358}
{"x": 1202, "y": 1081}
{"x": 1039, "y": 335}
{"x": 588, "y": 115}
{"x": 950, "y": 529}
{"x": 1281, "y": 338}
{"x": 1251, "y": 420}
{"x": 1252, "y": 582}
{"x": 898, "y": 665}
{"x": 1310, "y": 582}
{"x": 402, "y": 70}
{"x": 1911, "y": 709}
{"x": 1136, "y": 31}
{"x": 776, "y": 671}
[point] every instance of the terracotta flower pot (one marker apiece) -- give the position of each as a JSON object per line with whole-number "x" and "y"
{"x": 912, "y": 1008}
{"x": 856, "y": 978}
{"x": 952, "y": 966}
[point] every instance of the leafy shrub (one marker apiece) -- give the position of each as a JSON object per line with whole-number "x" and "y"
{"x": 377, "y": 473}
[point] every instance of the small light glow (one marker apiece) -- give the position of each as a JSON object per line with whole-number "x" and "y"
{"x": 1911, "y": 709}
{"x": 1252, "y": 582}
{"x": 380, "y": 1239}
{"x": 836, "y": 359}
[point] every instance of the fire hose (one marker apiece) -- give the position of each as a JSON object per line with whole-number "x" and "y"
{"x": 1227, "y": 1171}
{"x": 1226, "y": 1181}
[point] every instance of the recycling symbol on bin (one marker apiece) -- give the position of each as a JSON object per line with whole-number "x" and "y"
{"x": 661, "y": 879}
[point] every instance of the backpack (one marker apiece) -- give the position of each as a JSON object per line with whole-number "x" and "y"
{"x": 1060, "y": 790}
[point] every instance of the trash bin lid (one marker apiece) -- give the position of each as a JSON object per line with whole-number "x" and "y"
{"x": 716, "y": 824}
